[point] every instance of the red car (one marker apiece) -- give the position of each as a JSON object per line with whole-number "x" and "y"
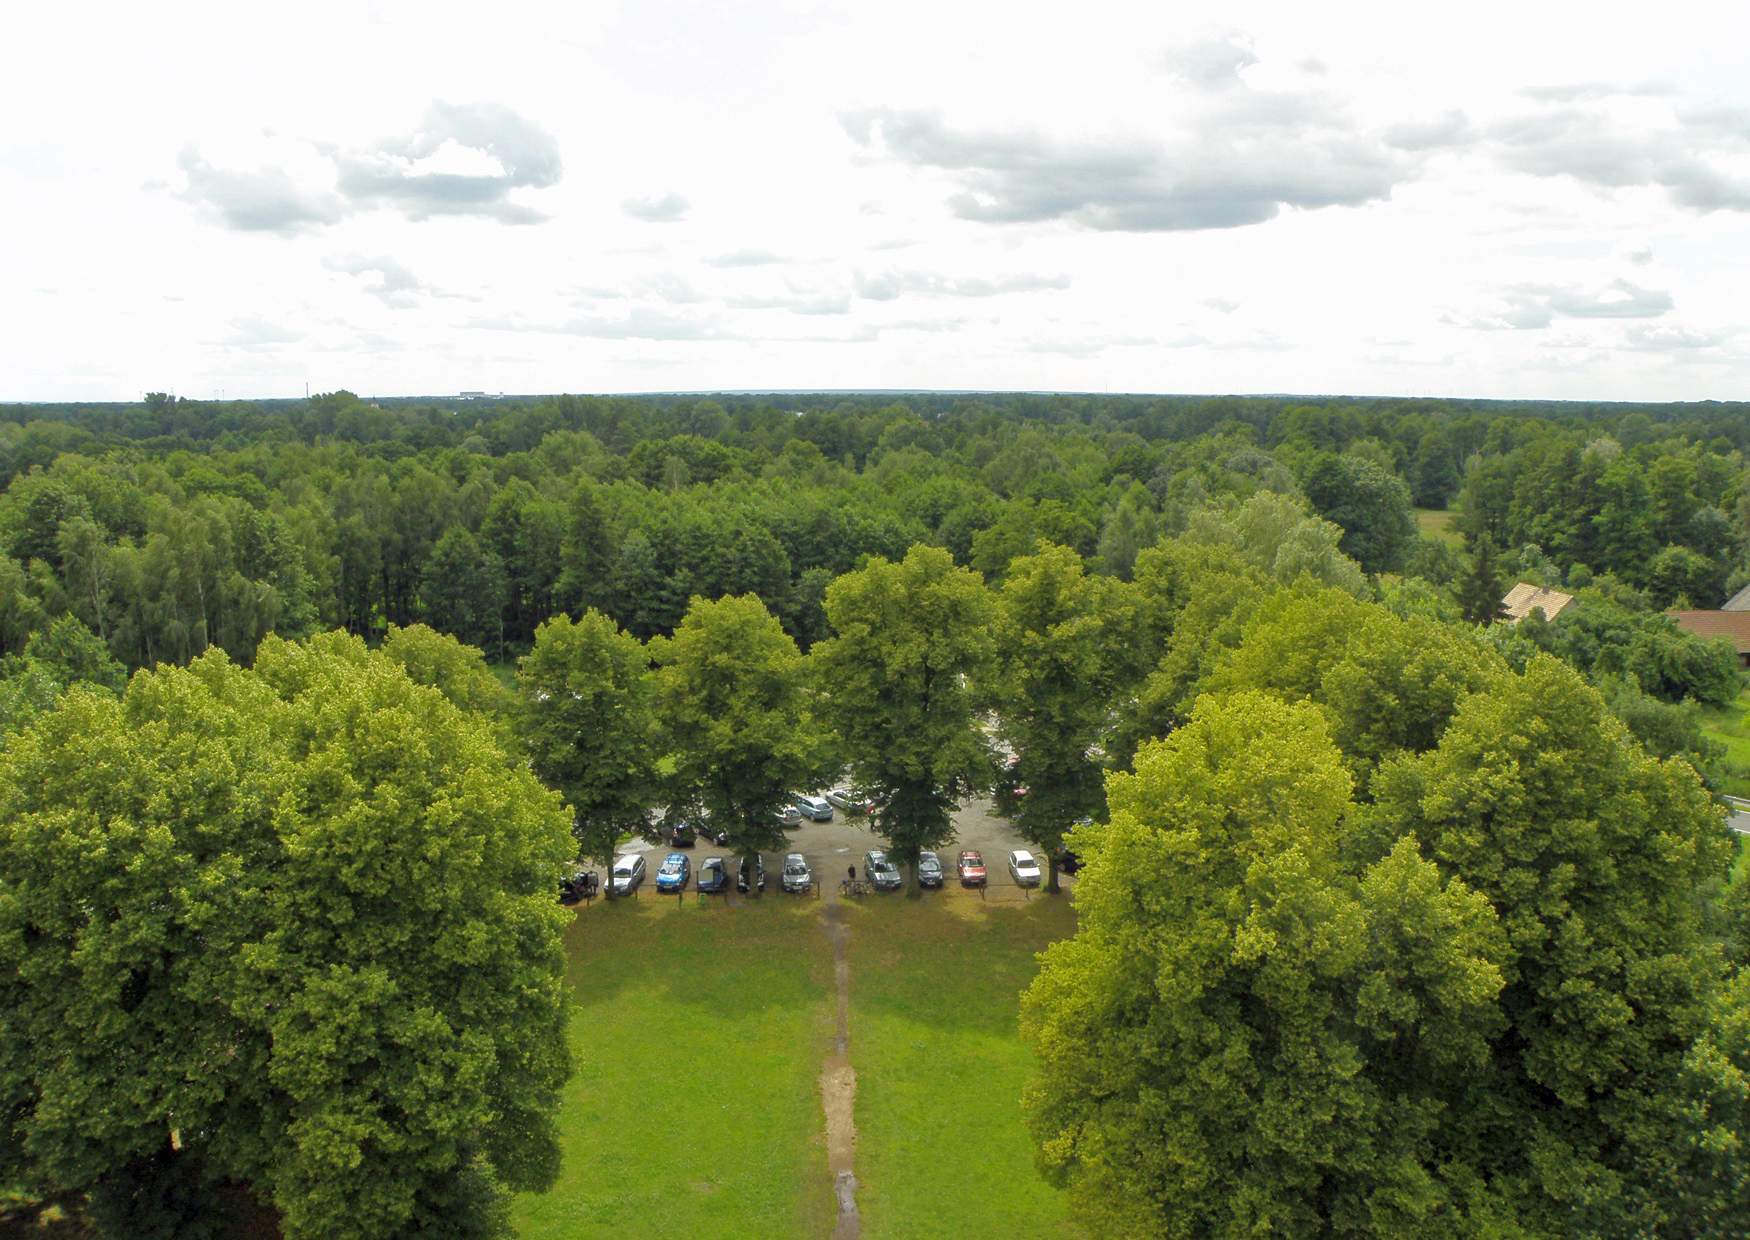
{"x": 970, "y": 867}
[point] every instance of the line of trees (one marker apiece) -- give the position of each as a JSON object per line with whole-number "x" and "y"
{"x": 170, "y": 527}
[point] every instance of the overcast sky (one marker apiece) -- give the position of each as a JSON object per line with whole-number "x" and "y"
{"x": 1519, "y": 199}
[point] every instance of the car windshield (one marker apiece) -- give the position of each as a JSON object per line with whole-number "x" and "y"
{"x": 624, "y": 867}
{"x": 795, "y": 867}
{"x": 929, "y": 862}
{"x": 883, "y": 866}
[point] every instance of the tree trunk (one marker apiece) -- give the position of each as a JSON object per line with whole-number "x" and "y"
{"x": 1051, "y": 872}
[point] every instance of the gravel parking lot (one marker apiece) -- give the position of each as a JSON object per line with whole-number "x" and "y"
{"x": 831, "y": 846}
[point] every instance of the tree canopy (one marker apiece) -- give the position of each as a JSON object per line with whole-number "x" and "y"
{"x": 911, "y": 654}
{"x": 290, "y": 929}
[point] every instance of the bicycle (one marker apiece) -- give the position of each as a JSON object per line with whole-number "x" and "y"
{"x": 854, "y": 887}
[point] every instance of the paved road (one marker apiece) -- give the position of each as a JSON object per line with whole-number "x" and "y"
{"x": 1739, "y": 818}
{"x": 831, "y": 846}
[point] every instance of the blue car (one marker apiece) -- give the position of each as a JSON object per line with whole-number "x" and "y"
{"x": 674, "y": 873}
{"x": 713, "y": 876}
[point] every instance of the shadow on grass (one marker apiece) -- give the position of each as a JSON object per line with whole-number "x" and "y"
{"x": 950, "y": 960}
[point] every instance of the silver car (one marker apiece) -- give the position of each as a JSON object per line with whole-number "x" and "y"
{"x": 816, "y": 809}
{"x": 850, "y": 801}
{"x": 883, "y": 874}
{"x": 797, "y": 875}
{"x": 628, "y": 872}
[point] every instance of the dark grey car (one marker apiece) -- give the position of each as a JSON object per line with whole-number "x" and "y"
{"x": 883, "y": 874}
{"x": 929, "y": 869}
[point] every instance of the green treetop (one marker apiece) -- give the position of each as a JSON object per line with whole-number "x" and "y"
{"x": 289, "y": 928}
{"x": 912, "y": 652}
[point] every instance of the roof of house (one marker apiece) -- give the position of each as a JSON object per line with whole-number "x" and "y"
{"x": 1732, "y": 625}
{"x": 1522, "y": 599}
{"x": 1738, "y": 602}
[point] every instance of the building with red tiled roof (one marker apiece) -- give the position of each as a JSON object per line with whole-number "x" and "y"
{"x": 1734, "y": 626}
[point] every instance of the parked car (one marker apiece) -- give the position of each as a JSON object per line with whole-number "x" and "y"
{"x": 1067, "y": 861}
{"x": 713, "y": 876}
{"x": 627, "y": 874}
{"x": 710, "y": 831}
{"x": 797, "y": 875}
{"x": 759, "y": 869}
{"x": 970, "y": 867}
{"x": 816, "y": 808}
{"x": 682, "y": 835}
{"x": 883, "y": 874}
{"x": 1023, "y": 868}
{"x": 929, "y": 869}
{"x": 789, "y": 815}
{"x": 578, "y": 884}
{"x": 850, "y": 801}
{"x": 675, "y": 872}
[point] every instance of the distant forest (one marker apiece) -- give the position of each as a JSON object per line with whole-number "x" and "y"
{"x": 170, "y": 525}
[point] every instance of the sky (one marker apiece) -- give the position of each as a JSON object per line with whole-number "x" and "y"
{"x": 1492, "y": 200}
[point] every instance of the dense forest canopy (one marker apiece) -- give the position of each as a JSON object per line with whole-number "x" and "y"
{"x": 172, "y": 525}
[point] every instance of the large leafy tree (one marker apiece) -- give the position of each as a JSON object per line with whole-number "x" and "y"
{"x": 733, "y": 703}
{"x": 1066, "y": 641}
{"x": 464, "y": 590}
{"x": 1490, "y": 1000}
{"x": 1370, "y": 503}
{"x": 587, "y": 718}
{"x": 1593, "y": 852}
{"x": 289, "y": 929}
{"x": 1242, "y": 1038}
{"x": 910, "y": 663}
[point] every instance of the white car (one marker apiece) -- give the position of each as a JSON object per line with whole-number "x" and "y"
{"x": 628, "y": 872}
{"x": 797, "y": 876}
{"x": 1023, "y": 868}
{"x": 848, "y": 800}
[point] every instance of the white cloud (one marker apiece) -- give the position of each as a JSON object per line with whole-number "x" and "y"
{"x": 414, "y": 174}
{"x": 1004, "y": 202}
{"x": 657, "y": 208}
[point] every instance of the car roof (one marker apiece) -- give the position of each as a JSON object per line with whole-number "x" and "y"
{"x": 794, "y": 857}
{"x": 629, "y": 860}
{"x": 1021, "y": 854}
{"x": 674, "y": 857}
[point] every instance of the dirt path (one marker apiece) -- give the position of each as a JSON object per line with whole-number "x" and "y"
{"x": 838, "y": 1081}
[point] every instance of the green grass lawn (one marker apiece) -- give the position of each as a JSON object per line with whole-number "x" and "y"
{"x": 1729, "y": 726}
{"x": 698, "y": 1034}
{"x": 935, "y": 992}
{"x": 1437, "y": 523}
{"x": 693, "y": 1109}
